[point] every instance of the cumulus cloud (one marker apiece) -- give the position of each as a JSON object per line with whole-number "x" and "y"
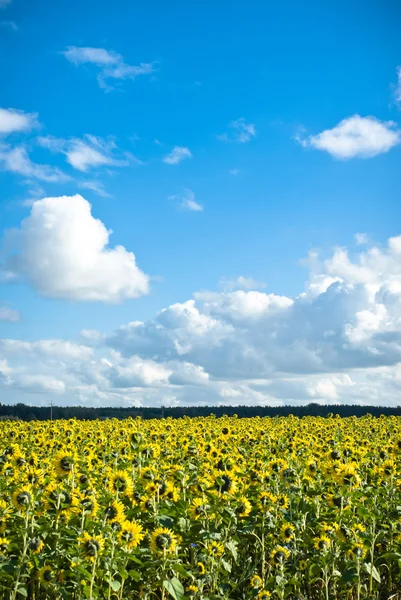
{"x": 177, "y": 155}
{"x": 16, "y": 160}
{"x": 240, "y": 131}
{"x": 9, "y": 314}
{"x": 62, "y": 250}
{"x": 355, "y": 137}
{"x": 338, "y": 340}
{"x": 110, "y": 64}
{"x": 12, "y": 120}
{"x": 84, "y": 154}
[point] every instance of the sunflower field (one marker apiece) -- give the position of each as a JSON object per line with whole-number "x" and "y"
{"x": 204, "y": 508}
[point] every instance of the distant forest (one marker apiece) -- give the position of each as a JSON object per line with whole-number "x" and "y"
{"x": 43, "y": 413}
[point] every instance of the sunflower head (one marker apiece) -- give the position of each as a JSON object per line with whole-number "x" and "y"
{"x": 163, "y": 541}
{"x": 46, "y": 576}
{"x": 256, "y": 582}
{"x": 91, "y": 545}
{"x": 131, "y": 534}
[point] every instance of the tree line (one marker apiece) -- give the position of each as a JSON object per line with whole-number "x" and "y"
{"x": 43, "y": 413}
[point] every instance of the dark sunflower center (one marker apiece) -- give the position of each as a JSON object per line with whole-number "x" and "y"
{"x": 23, "y": 498}
{"x": 66, "y": 463}
{"x": 92, "y": 547}
{"x": 163, "y": 541}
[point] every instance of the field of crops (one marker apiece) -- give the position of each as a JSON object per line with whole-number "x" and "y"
{"x": 201, "y": 508}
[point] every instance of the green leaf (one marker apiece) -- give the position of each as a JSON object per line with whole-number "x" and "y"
{"x": 349, "y": 575}
{"x": 23, "y": 591}
{"x": 181, "y": 570}
{"x": 226, "y": 565}
{"x": 371, "y": 569}
{"x": 115, "y": 585}
{"x": 232, "y": 547}
{"x": 174, "y": 588}
{"x": 136, "y": 576}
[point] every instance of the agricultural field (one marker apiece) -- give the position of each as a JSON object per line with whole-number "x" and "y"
{"x": 204, "y": 508}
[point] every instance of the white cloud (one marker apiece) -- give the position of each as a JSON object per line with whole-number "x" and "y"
{"x": 234, "y": 172}
{"x": 178, "y": 154}
{"x": 12, "y": 120}
{"x": 228, "y": 284}
{"x": 111, "y": 65}
{"x": 62, "y": 250}
{"x": 361, "y": 239}
{"x": 356, "y": 136}
{"x": 51, "y": 349}
{"x": 240, "y": 131}
{"x": 187, "y": 202}
{"x": 40, "y": 383}
{"x": 4, "y": 3}
{"x": 95, "y": 186}
{"x": 16, "y": 160}
{"x": 338, "y": 341}
{"x": 84, "y": 154}
{"x": 9, "y": 314}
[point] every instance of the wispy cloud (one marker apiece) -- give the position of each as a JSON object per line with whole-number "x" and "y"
{"x": 10, "y": 25}
{"x": 86, "y": 153}
{"x": 95, "y": 186}
{"x": 111, "y": 65}
{"x": 4, "y": 3}
{"x": 229, "y": 284}
{"x": 187, "y": 201}
{"x": 234, "y": 172}
{"x": 355, "y": 137}
{"x": 361, "y": 239}
{"x": 240, "y": 131}
{"x": 16, "y": 160}
{"x": 12, "y": 121}
{"x": 397, "y": 88}
{"x": 9, "y": 314}
{"x": 178, "y": 154}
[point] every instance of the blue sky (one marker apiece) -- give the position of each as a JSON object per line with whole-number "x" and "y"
{"x": 216, "y": 143}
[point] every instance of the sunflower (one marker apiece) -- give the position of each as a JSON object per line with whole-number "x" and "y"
{"x": 201, "y": 568}
{"x": 35, "y": 545}
{"x": 263, "y": 595}
{"x": 64, "y": 463}
{"x": 46, "y": 576}
{"x": 191, "y": 590}
{"x": 119, "y": 482}
{"x": 163, "y": 541}
{"x": 214, "y": 548}
{"x": 356, "y": 552}
{"x": 114, "y": 512}
{"x": 91, "y": 545}
{"x": 23, "y": 497}
{"x": 322, "y": 543}
{"x": 287, "y": 532}
{"x": 4, "y": 543}
{"x": 266, "y": 501}
{"x": 131, "y": 534}
{"x": 198, "y": 508}
{"x": 347, "y": 475}
{"x": 279, "y": 554}
{"x": 256, "y": 582}
{"x": 244, "y": 507}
